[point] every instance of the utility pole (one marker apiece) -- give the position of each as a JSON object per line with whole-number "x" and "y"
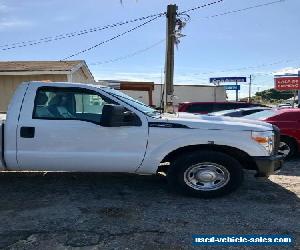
{"x": 236, "y": 92}
{"x": 250, "y": 83}
{"x": 169, "y": 64}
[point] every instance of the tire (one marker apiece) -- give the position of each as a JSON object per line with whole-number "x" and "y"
{"x": 205, "y": 174}
{"x": 287, "y": 147}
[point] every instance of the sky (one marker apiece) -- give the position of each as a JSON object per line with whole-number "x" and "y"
{"x": 257, "y": 41}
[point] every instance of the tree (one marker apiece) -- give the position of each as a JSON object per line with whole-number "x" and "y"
{"x": 274, "y": 95}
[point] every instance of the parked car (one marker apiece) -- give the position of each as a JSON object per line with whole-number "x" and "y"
{"x": 81, "y": 127}
{"x": 288, "y": 121}
{"x": 209, "y": 107}
{"x": 285, "y": 105}
{"x": 239, "y": 112}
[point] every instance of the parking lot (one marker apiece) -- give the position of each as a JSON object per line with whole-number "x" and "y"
{"x": 97, "y": 211}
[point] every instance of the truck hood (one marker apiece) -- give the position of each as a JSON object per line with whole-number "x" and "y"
{"x": 212, "y": 122}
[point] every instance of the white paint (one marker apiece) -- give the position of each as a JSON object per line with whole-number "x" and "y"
{"x": 183, "y": 93}
{"x": 83, "y": 146}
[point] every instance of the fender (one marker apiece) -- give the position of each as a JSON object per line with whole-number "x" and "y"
{"x": 163, "y": 141}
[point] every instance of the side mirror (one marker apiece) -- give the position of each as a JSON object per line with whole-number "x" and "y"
{"x": 118, "y": 116}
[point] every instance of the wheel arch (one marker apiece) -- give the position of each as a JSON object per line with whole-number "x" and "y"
{"x": 290, "y": 138}
{"x": 245, "y": 159}
{"x": 293, "y": 140}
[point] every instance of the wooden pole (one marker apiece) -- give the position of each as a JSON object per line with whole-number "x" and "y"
{"x": 169, "y": 64}
{"x": 250, "y": 83}
{"x": 236, "y": 91}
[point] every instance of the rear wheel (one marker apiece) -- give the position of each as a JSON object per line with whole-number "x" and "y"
{"x": 205, "y": 174}
{"x": 287, "y": 147}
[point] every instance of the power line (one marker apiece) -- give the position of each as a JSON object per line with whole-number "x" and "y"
{"x": 200, "y": 7}
{"x": 112, "y": 38}
{"x": 73, "y": 34}
{"x": 96, "y": 29}
{"x": 217, "y": 15}
{"x": 248, "y": 8}
{"x": 86, "y": 31}
{"x": 129, "y": 55}
{"x": 249, "y": 67}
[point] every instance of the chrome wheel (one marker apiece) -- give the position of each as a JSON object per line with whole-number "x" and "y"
{"x": 206, "y": 176}
{"x": 284, "y": 149}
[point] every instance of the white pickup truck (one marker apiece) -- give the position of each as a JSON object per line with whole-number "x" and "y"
{"x": 88, "y": 128}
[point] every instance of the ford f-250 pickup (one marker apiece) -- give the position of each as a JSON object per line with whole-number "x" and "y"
{"x": 89, "y": 128}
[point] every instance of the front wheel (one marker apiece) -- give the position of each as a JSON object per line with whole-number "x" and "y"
{"x": 287, "y": 147}
{"x": 205, "y": 174}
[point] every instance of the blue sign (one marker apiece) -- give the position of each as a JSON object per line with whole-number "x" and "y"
{"x": 232, "y": 87}
{"x": 227, "y": 79}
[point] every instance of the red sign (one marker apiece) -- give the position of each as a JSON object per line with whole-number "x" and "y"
{"x": 287, "y": 83}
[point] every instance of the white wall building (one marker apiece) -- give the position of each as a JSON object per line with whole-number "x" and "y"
{"x": 183, "y": 93}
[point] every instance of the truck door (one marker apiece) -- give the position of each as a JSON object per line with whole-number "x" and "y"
{"x": 59, "y": 130}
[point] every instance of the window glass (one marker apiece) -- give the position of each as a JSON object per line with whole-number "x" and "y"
{"x": 88, "y": 103}
{"x": 132, "y": 102}
{"x": 224, "y": 112}
{"x": 249, "y": 112}
{"x": 262, "y": 115}
{"x": 65, "y": 104}
{"x": 224, "y": 106}
{"x": 200, "y": 108}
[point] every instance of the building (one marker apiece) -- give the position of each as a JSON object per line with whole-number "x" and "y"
{"x": 13, "y": 73}
{"x": 133, "y": 89}
{"x": 292, "y": 72}
{"x": 152, "y": 94}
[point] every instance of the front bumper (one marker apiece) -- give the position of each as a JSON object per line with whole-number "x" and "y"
{"x": 268, "y": 165}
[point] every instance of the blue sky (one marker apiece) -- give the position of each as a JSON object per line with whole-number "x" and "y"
{"x": 258, "y": 41}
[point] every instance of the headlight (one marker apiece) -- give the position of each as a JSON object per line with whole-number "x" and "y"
{"x": 266, "y": 139}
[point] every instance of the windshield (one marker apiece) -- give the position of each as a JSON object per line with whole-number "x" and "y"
{"x": 132, "y": 102}
{"x": 223, "y": 112}
{"x": 261, "y": 115}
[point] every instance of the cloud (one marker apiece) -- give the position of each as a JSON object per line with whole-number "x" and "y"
{"x": 6, "y": 23}
{"x": 288, "y": 70}
{"x": 63, "y": 18}
{"x": 9, "y": 19}
{"x": 3, "y": 8}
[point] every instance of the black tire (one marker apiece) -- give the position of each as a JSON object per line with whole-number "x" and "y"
{"x": 291, "y": 144}
{"x": 178, "y": 173}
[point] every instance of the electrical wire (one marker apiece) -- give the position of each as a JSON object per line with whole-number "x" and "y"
{"x": 249, "y": 67}
{"x": 86, "y": 31}
{"x": 217, "y": 15}
{"x": 244, "y": 9}
{"x": 96, "y": 29}
{"x": 200, "y": 7}
{"x": 112, "y": 38}
{"x": 129, "y": 55}
{"x": 73, "y": 34}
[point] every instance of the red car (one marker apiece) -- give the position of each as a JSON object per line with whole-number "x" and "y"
{"x": 209, "y": 107}
{"x": 288, "y": 121}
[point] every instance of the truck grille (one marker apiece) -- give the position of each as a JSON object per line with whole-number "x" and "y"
{"x": 276, "y": 139}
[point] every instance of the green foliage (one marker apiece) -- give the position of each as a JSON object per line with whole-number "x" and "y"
{"x": 274, "y": 95}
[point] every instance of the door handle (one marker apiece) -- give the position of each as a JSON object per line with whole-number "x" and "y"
{"x": 27, "y": 132}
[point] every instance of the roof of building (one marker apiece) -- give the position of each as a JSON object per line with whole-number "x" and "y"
{"x": 25, "y": 66}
